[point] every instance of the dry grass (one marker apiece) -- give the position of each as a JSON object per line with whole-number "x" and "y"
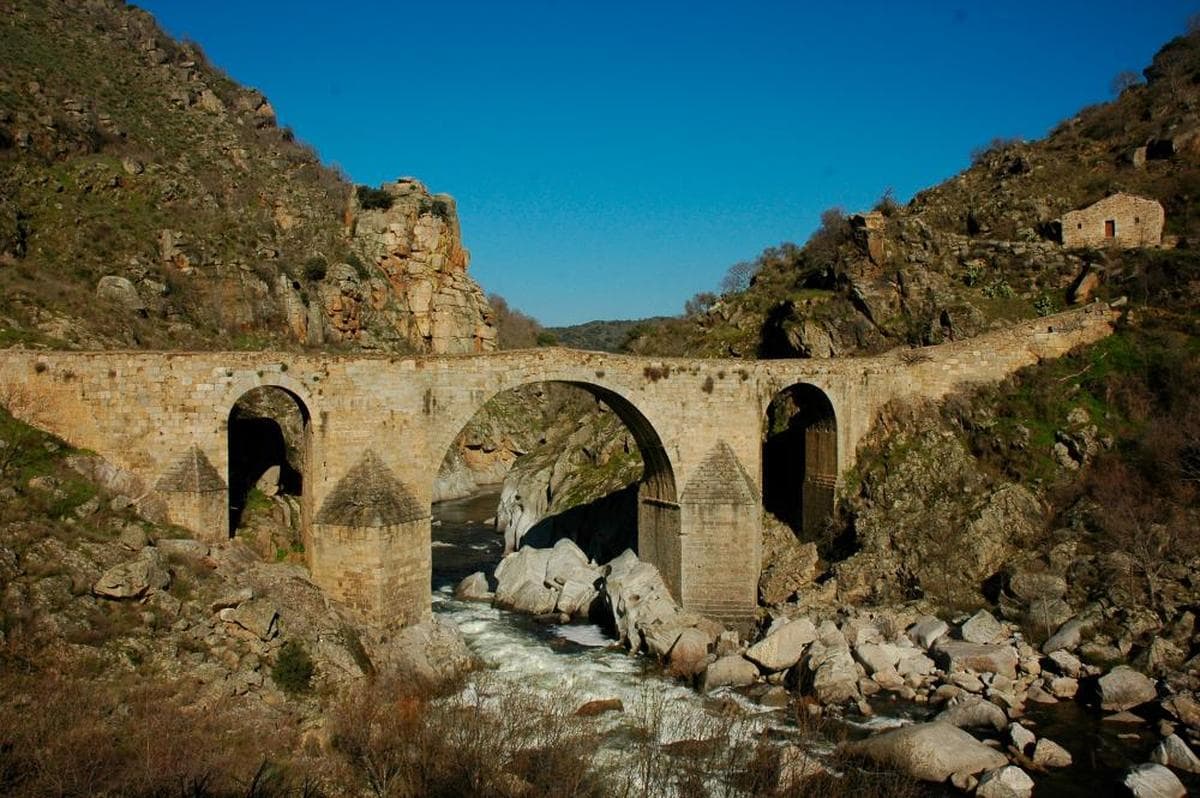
{"x": 69, "y": 734}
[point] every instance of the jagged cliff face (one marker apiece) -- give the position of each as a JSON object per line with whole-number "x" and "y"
{"x": 419, "y": 273}
{"x": 146, "y": 200}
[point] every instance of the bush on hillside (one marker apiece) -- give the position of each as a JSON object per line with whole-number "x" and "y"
{"x": 294, "y": 669}
{"x": 373, "y": 199}
{"x": 315, "y": 269}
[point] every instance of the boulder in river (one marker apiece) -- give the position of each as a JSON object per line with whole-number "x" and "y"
{"x": 1174, "y": 753}
{"x": 783, "y": 645}
{"x": 1152, "y": 780}
{"x": 1006, "y": 782}
{"x": 1124, "y": 688}
{"x": 523, "y": 567}
{"x": 973, "y": 712}
{"x": 928, "y": 751}
{"x": 927, "y": 631}
{"x": 957, "y": 655}
{"x": 430, "y": 653}
{"x": 829, "y": 671}
{"x": 729, "y": 671}
{"x": 981, "y": 627}
{"x": 473, "y": 588}
{"x": 689, "y": 655}
{"x": 1049, "y": 754}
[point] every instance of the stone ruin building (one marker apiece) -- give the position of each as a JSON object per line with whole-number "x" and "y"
{"x": 1121, "y": 220}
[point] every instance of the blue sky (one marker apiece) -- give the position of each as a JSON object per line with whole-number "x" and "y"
{"x": 611, "y": 159}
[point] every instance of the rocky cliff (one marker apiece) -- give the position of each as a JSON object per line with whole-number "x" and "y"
{"x": 147, "y": 200}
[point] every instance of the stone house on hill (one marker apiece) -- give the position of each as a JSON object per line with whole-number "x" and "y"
{"x": 1122, "y": 220}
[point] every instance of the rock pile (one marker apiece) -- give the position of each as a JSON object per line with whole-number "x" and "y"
{"x": 978, "y": 672}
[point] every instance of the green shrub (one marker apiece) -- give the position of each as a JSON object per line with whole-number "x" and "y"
{"x": 293, "y": 670}
{"x": 373, "y": 199}
{"x": 315, "y": 269}
{"x": 998, "y": 289}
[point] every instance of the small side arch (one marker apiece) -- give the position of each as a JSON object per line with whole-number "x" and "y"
{"x": 800, "y": 458}
{"x": 270, "y": 449}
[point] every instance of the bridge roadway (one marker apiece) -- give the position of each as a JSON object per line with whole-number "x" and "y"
{"x": 377, "y": 428}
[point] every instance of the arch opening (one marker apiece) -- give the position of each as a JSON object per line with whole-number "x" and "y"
{"x": 800, "y": 459}
{"x": 269, "y": 435}
{"x": 575, "y": 460}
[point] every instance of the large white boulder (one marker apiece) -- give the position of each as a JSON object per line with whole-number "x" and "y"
{"x": 981, "y": 627}
{"x": 957, "y": 655}
{"x": 784, "y": 644}
{"x": 523, "y": 567}
{"x": 928, "y": 751}
{"x": 973, "y": 712}
{"x": 1006, "y": 782}
{"x": 1152, "y": 780}
{"x": 729, "y": 671}
{"x": 473, "y": 588}
{"x": 927, "y": 630}
{"x": 1174, "y": 753}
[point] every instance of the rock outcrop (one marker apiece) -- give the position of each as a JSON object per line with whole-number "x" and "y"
{"x": 416, "y": 281}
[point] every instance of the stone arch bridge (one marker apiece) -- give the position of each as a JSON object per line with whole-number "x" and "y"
{"x": 378, "y": 427}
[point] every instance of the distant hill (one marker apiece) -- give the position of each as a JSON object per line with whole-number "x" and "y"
{"x": 603, "y": 336}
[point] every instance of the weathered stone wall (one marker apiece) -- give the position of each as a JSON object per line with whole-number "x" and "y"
{"x": 1122, "y": 220}
{"x": 379, "y": 427}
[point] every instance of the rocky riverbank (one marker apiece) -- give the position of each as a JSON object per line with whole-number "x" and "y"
{"x": 977, "y": 677}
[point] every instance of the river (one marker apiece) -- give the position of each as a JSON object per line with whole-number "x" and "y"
{"x": 579, "y": 662}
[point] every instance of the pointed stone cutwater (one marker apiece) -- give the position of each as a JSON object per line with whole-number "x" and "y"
{"x": 370, "y": 545}
{"x": 193, "y": 472}
{"x": 720, "y": 560}
{"x": 720, "y": 479}
{"x": 370, "y": 495}
{"x": 196, "y": 496}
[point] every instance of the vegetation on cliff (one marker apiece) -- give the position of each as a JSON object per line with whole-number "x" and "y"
{"x": 136, "y": 177}
{"x": 976, "y": 251}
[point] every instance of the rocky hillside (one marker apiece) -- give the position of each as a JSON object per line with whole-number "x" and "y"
{"x": 105, "y": 615}
{"x": 974, "y": 252}
{"x": 138, "y": 179}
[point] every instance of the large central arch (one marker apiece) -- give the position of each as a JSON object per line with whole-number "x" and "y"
{"x": 658, "y": 515}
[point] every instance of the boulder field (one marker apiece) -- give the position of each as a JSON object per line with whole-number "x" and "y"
{"x": 979, "y": 673}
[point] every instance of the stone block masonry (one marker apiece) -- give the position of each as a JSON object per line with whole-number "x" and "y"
{"x": 379, "y": 427}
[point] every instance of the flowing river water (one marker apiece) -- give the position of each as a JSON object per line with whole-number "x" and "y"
{"x": 579, "y": 663}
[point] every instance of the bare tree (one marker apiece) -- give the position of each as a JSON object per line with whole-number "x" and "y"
{"x": 738, "y": 277}
{"x": 699, "y": 304}
{"x": 1125, "y": 79}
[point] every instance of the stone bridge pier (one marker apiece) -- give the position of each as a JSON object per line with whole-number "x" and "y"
{"x": 377, "y": 428}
